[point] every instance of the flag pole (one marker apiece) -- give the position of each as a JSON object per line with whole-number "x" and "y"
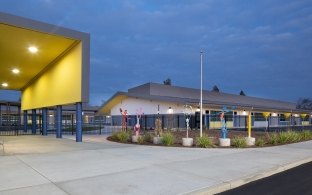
{"x": 201, "y": 94}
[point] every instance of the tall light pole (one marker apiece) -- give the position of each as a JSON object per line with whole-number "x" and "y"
{"x": 201, "y": 94}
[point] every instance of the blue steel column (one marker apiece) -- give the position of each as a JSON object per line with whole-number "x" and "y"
{"x": 0, "y": 116}
{"x": 25, "y": 120}
{"x": 79, "y": 122}
{"x": 44, "y": 121}
{"x": 58, "y": 121}
{"x": 34, "y": 121}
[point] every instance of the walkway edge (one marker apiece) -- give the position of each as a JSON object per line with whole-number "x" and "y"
{"x": 247, "y": 179}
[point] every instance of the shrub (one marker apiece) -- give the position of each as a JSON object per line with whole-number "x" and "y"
{"x": 114, "y": 135}
{"x": 168, "y": 139}
{"x": 148, "y": 137}
{"x": 121, "y": 136}
{"x": 203, "y": 142}
{"x": 306, "y": 135}
{"x": 260, "y": 142}
{"x": 239, "y": 142}
{"x": 283, "y": 138}
{"x": 273, "y": 138}
{"x": 293, "y": 136}
{"x": 141, "y": 139}
{"x": 288, "y": 137}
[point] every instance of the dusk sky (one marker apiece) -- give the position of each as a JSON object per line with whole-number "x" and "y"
{"x": 263, "y": 47}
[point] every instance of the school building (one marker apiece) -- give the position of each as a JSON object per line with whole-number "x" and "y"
{"x": 167, "y": 103}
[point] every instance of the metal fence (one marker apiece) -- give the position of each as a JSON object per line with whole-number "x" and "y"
{"x": 177, "y": 121}
{"x": 99, "y": 125}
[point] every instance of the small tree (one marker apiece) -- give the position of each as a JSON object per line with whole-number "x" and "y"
{"x": 242, "y": 93}
{"x": 167, "y": 82}
{"x": 304, "y": 103}
{"x": 215, "y": 89}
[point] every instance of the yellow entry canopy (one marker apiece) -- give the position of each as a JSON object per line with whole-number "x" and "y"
{"x": 49, "y": 64}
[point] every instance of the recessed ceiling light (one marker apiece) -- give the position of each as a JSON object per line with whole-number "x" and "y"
{"x": 15, "y": 71}
{"x": 4, "y": 84}
{"x": 33, "y": 49}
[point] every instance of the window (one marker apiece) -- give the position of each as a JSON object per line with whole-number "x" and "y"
{"x": 282, "y": 117}
{"x": 215, "y": 116}
{"x": 259, "y": 117}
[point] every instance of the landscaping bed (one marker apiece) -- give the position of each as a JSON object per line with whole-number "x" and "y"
{"x": 211, "y": 138}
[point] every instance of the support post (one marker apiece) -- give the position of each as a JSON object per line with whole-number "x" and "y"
{"x": 58, "y": 121}
{"x": 100, "y": 125}
{"x": 249, "y": 124}
{"x": 34, "y": 121}
{"x": 18, "y": 126}
{"x": 162, "y": 121}
{"x": 25, "y": 120}
{"x": 44, "y": 121}
{"x": 79, "y": 122}
{"x": 0, "y": 115}
{"x": 72, "y": 123}
{"x": 250, "y": 141}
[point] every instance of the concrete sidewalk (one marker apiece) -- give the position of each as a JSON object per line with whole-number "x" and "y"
{"x": 46, "y": 165}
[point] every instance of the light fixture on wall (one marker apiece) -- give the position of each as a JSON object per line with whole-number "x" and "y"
{"x": 170, "y": 111}
{"x": 158, "y": 109}
{"x": 274, "y": 114}
{"x": 245, "y": 113}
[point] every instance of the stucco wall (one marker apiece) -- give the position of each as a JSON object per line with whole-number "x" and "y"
{"x": 148, "y": 107}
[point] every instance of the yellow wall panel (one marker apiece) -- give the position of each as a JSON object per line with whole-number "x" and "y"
{"x": 60, "y": 84}
{"x": 218, "y": 124}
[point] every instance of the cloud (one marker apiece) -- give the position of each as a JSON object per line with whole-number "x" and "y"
{"x": 135, "y": 41}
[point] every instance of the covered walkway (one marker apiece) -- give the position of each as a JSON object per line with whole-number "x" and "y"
{"x": 50, "y": 66}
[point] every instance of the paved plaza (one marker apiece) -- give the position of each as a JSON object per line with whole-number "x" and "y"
{"x": 46, "y": 165}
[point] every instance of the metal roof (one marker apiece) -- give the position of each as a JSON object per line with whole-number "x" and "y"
{"x": 169, "y": 93}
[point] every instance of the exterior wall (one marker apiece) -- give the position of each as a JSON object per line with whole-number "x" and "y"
{"x": 150, "y": 110}
{"x": 148, "y": 107}
{"x": 61, "y": 84}
{"x": 218, "y": 125}
{"x": 260, "y": 124}
{"x": 297, "y": 120}
{"x": 274, "y": 121}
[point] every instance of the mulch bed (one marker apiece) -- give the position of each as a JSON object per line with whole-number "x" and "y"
{"x": 213, "y": 134}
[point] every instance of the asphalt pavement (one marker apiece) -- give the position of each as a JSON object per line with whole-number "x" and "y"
{"x": 294, "y": 181}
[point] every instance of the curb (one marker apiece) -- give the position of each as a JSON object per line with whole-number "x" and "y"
{"x": 247, "y": 179}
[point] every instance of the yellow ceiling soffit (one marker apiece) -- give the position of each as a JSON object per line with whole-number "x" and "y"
{"x": 14, "y": 43}
{"x": 106, "y": 109}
